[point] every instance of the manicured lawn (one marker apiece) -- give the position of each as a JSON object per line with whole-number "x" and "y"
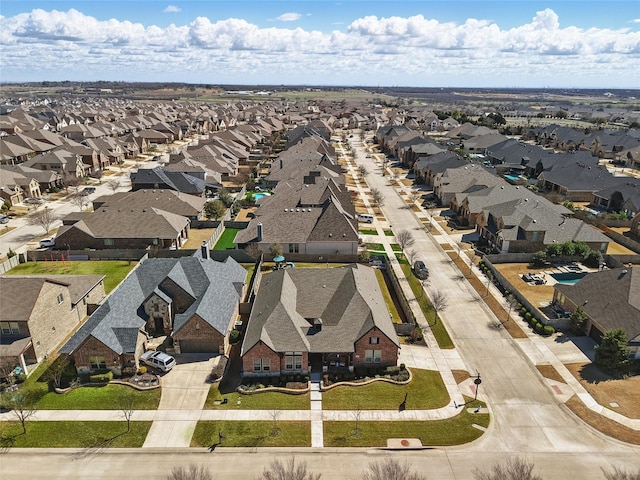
{"x": 252, "y": 434}
{"x": 375, "y": 246}
{"x": 226, "y": 239}
{"x": 395, "y": 316}
{"x": 437, "y": 328}
{"x": 107, "y": 397}
{"x": 453, "y": 431}
{"x": 258, "y": 401}
{"x": 426, "y": 391}
{"x": 369, "y": 231}
{"x": 74, "y": 434}
{"x": 115, "y": 270}
{"x": 388, "y": 233}
{"x": 395, "y": 247}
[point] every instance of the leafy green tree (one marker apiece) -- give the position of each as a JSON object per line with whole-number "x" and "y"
{"x": 578, "y": 321}
{"x": 581, "y": 248}
{"x": 225, "y": 197}
{"x": 561, "y": 114}
{"x": 613, "y": 352}
{"x": 554, "y": 250}
{"x": 539, "y": 258}
{"x": 568, "y": 249}
{"x": 214, "y": 209}
{"x": 593, "y": 259}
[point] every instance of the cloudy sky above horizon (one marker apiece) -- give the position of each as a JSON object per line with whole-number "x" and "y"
{"x": 472, "y": 43}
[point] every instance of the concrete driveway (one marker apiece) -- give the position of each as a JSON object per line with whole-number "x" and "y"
{"x": 184, "y": 391}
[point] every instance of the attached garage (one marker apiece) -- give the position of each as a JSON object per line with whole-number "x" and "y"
{"x": 198, "y": 345}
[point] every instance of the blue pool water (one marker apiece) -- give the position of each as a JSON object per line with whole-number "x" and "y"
{"x": 569, "y": 278}
{"x": 258, "y": 196}
{"x": 513, "y": 178}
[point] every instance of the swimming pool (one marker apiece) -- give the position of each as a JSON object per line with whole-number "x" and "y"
{"x": 258, "y": 196}
{"x": 569, "y": 278}
{"x": 513, "y": 178}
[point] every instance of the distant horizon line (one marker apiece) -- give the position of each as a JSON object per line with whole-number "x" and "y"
{"x": 309, "y": 85}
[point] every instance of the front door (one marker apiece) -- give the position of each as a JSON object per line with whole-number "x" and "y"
{"x": 159, "y": 326}
{"x": 315, "y": 359}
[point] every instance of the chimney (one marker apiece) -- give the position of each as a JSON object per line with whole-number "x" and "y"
{"x": 204, "y": 249}
{"x": 259, "y": 232}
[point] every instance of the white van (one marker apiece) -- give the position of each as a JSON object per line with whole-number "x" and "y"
{"x": 365, "y": 217}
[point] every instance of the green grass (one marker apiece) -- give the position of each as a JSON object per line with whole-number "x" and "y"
{"x": 258, "y": 401}
{"x": 252, "y": 434}
{"x": 375, "y": 246}
{"x": 437, "y": 328}
{"x": 453, "y": 431}
{"x": 115, "y": 270}
{"x": 395, "y": 247}
{"x": 226, "y": 239}
{"x": 369, "y": 231}
{"x": 426, "y": 391}
{"x": 75, "y": 434}
{"x": 99, "y": 398}
{"x": 391, "y": 307}
{"x": 402, "y": 260}
{"x": 388, "y": 233}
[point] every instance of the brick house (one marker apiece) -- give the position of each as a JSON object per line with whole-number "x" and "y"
{"x": 193, "y": 301}
{"x": 610, "y": 299}
{"x": 318, "y": 320}
{"x": 41, "y": 312}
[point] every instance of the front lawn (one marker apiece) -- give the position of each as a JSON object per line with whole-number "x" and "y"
{"x": 252, "y": 434}
{"x": 226, "y": 239}
{"x": 75, "y": 434}
{"x": 425, "y": 391}
{"x": 375, "y": 247}
{"x": 452, "y": 431}
{"x": 257, "y": 401}
{"x": 107, "y": 397}
{"x": 114, "y": 270}
{"x": 366, "y": 231}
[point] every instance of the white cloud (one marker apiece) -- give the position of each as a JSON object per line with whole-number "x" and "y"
{"x": 172, "y": 9}
{"x": 381, "y": 51}
{"x": 289, "y": 17}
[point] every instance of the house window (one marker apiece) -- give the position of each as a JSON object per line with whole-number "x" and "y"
{"x": 293, "y": 248}
{"x": 372, "y": 356}
{"x": 293, "y": 361}
{"x": 60, "y": 299}
{"x": 97, "y": 363}
{"x": 261, "y": 365}
{"x": 108, "y": 242}
{"x": 9, "y": 328}
{"x": 374, "y": 340}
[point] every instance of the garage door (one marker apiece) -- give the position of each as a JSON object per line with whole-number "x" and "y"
{"x": 198, "y": 345}
{"x": 595, "y": 334}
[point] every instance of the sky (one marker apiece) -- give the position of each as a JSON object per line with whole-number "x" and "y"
{"x": 472, "y": 43}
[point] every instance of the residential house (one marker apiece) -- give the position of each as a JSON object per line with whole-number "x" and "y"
{"x": 621, "y": 197}
{"x": 318, "y": 320}
{"x": 164, "y": 178}
{"x": 193, "y": 301}
{"x": 576, "y": 181}
{"x": 61, "y": 161}
{"x": 466, "y": 178}
{"x": 15, "y": 186}
{"x": 610, "y": 299}
{"x": 40, "y": 311}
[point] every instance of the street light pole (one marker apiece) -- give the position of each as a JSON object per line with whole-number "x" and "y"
{"x": 477, "y": 382}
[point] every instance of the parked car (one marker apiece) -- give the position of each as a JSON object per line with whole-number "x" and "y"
{"x": 87, "y": 191}
{"x": 48, "y": 242}
{"x": 158, "y": 360}
{"x": 37, "y": 201}
{"x": 4, "y": 219}
{"x": 420, "y": 270}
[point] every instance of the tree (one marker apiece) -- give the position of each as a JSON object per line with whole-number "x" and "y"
{"x": 621, "y": 474}
{"x": 275, "y": 416}
{"x": 214, "y": 209}
{"x": 561, "y": 114}
{"x": 275, "y": 250}
{"x": 391, "y": 469}
{"x": 405, "y": 239}
{"x": 253, "y": 250}
{"x": 23, "y": 404}
{"x": 289, "y": 471}
{"x": 70, "y": 181}
{"x": 357, "y": 414}
{"x": 568, "y": 249}
{"x": 439, "y": 301}
{"x": 56, "y": 370}
{"x": 113, "y": 184}
{"x": 378, "y": 197}
{"x": 593, "y": 259}
{"x": 225, "y": 197}
{"x": 79, "y": 200}
{"x": 126, "y": 403}
{"x": 192, "y": 472}
{"x": 514, "y": 468}
{"x": 577, "y": 321}
{"x": 415, "y": 195}
{"x": 613, "y": 352}
{"x": 43, "y": 218}
{"x": 362, "y": 170}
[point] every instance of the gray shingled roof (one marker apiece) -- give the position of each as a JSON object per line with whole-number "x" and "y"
{"x": 348, "y": 300}
{"x": 215, "y": 287}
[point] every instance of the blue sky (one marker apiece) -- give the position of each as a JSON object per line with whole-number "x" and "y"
{"x": 590, "y": 44}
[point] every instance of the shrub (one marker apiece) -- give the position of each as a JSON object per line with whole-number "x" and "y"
{"x": 102, "y": 377}
{"x": 539, "y": 328}
{"x": 234, "y": 336}
{"x": 527, "y": 316}
{"x": 142, "y": 370}
{"x": 523, "y": 311}
{"x": 549, "y": 330}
